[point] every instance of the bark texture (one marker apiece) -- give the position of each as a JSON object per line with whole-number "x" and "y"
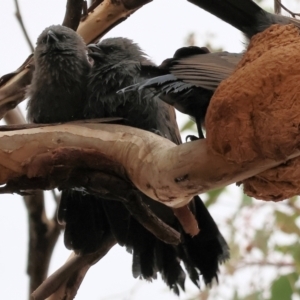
{"x": 70, "y": 155}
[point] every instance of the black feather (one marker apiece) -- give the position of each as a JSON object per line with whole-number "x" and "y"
{"x": 187, "y": 81}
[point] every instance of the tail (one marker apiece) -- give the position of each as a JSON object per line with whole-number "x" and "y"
{"x": 206, "y": 250}
{"x": 86, "y": 225}
{"x": 244, "y": 15}
{"x": 89, "y": 219}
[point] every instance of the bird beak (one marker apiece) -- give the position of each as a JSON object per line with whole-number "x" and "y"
{"x": 51, "y": 37}
{"x": 93, "y": 47}
{"x": 94, "y": 50}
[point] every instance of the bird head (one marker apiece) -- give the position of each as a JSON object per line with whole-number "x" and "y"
{"x": 115, "y": 50}
{"x": 58, "y": 39}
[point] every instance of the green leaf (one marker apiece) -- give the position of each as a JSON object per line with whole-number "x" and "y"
{"x": 283, "y": 287}
{"x": 261, "y": 240}
{"x": 287, "y": 222}
{"x": 292, "y": 250}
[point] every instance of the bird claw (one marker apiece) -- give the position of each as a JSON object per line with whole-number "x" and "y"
{"x": 191, "y": 138}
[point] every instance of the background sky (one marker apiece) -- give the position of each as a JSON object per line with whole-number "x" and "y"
{"x": 160, "y": 28}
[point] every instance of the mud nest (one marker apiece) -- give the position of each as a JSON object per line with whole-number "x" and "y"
{"x": 255, "y": 114}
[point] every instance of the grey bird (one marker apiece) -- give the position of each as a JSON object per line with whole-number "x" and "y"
{"x": 188, "y": 80}
{"x": 58, "y": 89}
{"x": 89, "y": 219}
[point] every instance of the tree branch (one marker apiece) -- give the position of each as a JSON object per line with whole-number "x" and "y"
{"x": 277, "y": 6}
{"x": 20, "y": 19}
{"x": 104, "y": 185}
{"x": 14, "y": 116}
{"x": 65, "y": 282}
{"x": 73, "y": 14}
{"x": 13, "y": 86}
{"x": 43, "y": 234}
{"x": 280, "y": 5}
{"x": 106, "y": 16}
{"x": 55, "y": 156}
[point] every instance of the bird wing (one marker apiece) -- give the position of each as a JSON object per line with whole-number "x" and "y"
{"x": 205, "y": 70}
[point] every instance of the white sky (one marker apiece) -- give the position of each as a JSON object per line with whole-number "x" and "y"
{"x": 160, "y": 28}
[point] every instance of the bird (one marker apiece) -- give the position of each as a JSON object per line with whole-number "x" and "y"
{"x": 245, "y": 15}
{"x": 58, "y": 87}
{"x": 188, "y": 80}
{"x": 89, "y": 218}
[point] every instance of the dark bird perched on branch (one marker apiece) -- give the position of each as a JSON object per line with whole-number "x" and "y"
{"x": 244, "y": 15}
{"x": 188, "y": 80}
{"x": 58, "y": 87}
{"x": 89, "y": 219}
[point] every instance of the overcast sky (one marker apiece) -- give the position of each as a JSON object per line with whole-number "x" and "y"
{"x": 160, "y": 28}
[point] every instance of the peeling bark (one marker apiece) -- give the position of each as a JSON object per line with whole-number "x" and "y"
{"x": 62, "y": 156}
{"x": 107, "y": 15}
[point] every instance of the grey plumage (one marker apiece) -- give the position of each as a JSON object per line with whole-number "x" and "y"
{"x": 58, "y": 87}
{"x": 117, "y": 64}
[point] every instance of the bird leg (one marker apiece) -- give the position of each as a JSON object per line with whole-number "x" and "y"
{"x": 199, "y": 128}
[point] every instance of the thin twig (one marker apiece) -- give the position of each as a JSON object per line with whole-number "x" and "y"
{"x": 14, "y": 116}
{"x": 132, "y": 199}
{"x": 279, "y": 264}
{"x": 20, "y": 19}
{"x": 73, "y": 14}
{"x": 94, "y": 4}
{"x": 43, "y": 234}
{"x": 277, "y": 7}
{"x": 85, "y": 11}
{"x": 287, "y": 10}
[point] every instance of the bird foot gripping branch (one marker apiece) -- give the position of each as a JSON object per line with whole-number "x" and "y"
{"x": 255, "y": 113}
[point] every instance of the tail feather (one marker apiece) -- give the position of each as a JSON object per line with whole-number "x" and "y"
{"x": 83, "y": 233}
{"x": 119, "y": 221}
{"x": 88, "y": 219}
{"x": 168, "y": 264}
{"x": 207, "y": 249}
{"x": 142, "y": 243}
